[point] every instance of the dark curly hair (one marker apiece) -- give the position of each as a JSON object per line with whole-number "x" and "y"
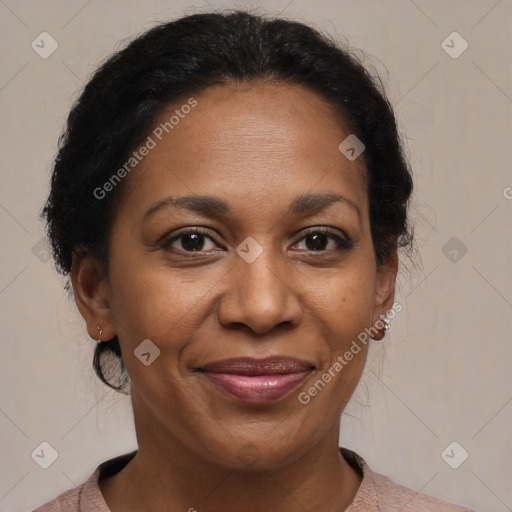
{"x": 116, "y": 110}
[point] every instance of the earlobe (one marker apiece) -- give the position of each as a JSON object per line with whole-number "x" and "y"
{"x": 92, "y": 294}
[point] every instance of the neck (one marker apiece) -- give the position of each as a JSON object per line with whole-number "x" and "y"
{"x": 165, "y": 471}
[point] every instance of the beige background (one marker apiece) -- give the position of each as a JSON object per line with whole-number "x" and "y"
{"x": 443, "y": 374}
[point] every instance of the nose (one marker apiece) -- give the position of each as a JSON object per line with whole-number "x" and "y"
{"x": 259, "y": 296}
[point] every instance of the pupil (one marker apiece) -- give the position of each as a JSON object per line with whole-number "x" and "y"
{"x": 192, "y": 245}
{"x": 318, "y": 242}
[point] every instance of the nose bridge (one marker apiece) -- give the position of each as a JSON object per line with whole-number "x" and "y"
{"x": 260, "y": 295}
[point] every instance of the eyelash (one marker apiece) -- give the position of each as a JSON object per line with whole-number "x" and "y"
{"x": 344, "y": 244}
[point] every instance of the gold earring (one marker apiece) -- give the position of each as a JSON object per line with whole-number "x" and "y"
{"x": 99, "y": 338}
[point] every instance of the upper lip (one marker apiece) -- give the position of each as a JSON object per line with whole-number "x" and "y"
{"x": 251, "y": 366}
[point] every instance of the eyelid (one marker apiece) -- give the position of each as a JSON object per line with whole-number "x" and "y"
{"x": 330, "y": 230}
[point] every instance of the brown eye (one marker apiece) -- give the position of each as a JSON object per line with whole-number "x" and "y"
{"x": 193, "y": 240}
{"x": 318, "y": 240}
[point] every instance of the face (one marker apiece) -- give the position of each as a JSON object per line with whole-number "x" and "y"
{"x": 280, "y": 263}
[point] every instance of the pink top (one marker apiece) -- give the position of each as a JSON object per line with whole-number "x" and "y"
{"x": 377, "y": 493}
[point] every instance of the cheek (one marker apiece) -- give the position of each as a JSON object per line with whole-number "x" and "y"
{"x": 149, "y": 303}
{"x": 153, "y": 304}
{"x": 345, "y": 313}
{"x": 167, "y": 306}
{"x": 344, "y": 302}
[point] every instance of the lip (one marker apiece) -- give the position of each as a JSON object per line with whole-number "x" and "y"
{"x": 266, "y": 366}
{"x": 258, "y": 380}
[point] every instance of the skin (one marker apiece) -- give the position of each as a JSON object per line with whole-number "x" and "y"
{"x": 257, "y": 147}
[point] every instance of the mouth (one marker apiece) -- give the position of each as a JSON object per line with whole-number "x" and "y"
{"x": 257, "y": 380}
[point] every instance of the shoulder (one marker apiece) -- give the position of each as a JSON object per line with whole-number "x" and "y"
{"x": 87, "y": 497}
{"x": 68, "y": 501}
{"x": 392, "y": 495}
{"x": 379, "y": 493}
{"x": 83, "y": 498}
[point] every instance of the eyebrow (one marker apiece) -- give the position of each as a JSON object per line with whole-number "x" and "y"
{"x": 215, "y": 207}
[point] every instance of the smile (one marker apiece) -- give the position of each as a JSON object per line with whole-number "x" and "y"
{"x": 254, "y": 380}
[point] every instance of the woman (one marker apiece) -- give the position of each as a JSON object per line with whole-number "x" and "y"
{"x": 229, "y": 198}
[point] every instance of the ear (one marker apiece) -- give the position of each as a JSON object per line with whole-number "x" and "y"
{"x": 92, "y": 294}
{"x": 385, "y": 285}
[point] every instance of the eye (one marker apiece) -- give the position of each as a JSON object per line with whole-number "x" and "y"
{"x": 193, "y": 240}
{"x": 317, "y": 239}
{"x": 202, "y": 240}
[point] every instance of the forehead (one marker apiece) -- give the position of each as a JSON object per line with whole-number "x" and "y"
{"x": 248, "y": 140}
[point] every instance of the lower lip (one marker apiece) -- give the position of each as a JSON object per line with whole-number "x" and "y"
{"x": 257, "y": 388}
